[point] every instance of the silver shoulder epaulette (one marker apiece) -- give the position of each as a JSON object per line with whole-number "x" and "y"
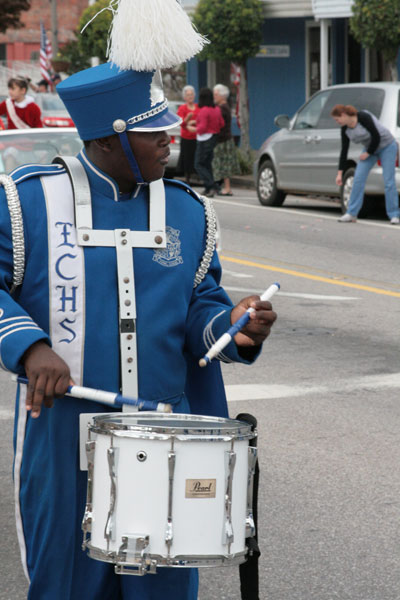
{"x": 211, "y": 224}
{"x": 17, "y": 229}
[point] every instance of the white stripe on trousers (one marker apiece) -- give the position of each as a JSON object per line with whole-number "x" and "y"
{"x": 22, "y": 414}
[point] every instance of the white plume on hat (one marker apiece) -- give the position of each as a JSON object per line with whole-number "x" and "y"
{"x": 151, "y": 34}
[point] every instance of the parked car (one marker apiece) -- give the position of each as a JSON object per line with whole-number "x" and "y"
{"x": 303, "y": 157}
{"x": 38, "y": 146}
{"x": 54, "y": 113}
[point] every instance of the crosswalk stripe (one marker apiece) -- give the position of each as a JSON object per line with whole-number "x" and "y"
{"x": 259, "y": 391}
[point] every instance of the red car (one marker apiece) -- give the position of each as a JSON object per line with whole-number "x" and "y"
{"x": 54, "y": 113}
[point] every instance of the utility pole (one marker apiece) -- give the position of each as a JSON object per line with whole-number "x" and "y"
{"x": 94, "y": 61}
{"x": 54, "y": 26}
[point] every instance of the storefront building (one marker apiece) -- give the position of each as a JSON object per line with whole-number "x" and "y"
{"x": 307, "y": 45}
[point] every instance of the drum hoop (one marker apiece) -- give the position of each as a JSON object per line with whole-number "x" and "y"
{"x": 181, "y": 560}
{"x": 229, "y": 429}
{"x": 196, "y": 436}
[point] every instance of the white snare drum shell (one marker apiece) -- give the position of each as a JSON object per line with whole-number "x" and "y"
{"x": 201, "y": 522}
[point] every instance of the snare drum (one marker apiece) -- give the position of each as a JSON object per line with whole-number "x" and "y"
{"x": 168, "y": 490}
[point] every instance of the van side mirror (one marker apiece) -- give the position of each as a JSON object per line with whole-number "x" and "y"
{"x": 282, "y": 121}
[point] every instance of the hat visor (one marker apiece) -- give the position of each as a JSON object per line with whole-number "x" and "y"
{"x": 161, "y": 123}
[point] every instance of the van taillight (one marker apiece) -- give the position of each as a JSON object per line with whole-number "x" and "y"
{"x": 396, "y": 163}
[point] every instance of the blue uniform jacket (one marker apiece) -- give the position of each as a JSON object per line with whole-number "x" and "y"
{"x": 174, "y": 320}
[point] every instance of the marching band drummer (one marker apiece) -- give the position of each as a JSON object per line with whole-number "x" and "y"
{"x": 118, "y": 292}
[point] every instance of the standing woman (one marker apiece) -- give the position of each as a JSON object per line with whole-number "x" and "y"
{"x": 362, "y": 127}
{"x": 187, "y": 112}
{"x": 209, "y": 123}
{"x": 225, "y": 162}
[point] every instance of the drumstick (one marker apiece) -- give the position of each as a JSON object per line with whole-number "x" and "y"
{"x": 237, "y": 326}
{"x": 109, "y": 398}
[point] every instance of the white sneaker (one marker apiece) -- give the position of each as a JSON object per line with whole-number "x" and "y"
{"x": 394, "y": 220}
{"x": 347, "y": 218}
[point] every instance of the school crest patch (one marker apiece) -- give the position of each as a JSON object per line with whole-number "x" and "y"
{"x": 171, "y": 255}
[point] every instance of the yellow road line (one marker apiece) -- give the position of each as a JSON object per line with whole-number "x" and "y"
{"x": 355, "y": 286}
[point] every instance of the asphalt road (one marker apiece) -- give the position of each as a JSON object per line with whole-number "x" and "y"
{"x": 325, "y": 392}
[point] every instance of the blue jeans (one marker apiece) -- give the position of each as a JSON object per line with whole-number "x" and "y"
{"x": 203, "y": 161}
{"x": 387, "y": 156}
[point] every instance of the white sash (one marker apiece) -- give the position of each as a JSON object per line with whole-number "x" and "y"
{"x": 19, "y": 123}
{"x": 66, "y": 275}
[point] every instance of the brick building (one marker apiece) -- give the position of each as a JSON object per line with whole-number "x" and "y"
{"x": 24, "y": 44}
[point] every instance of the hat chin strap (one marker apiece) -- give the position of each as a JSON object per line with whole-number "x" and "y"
{"x": 131, "y": 157}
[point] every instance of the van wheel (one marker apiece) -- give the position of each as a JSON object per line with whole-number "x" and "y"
{"x": 267, "y": 191}
{"x": 345, "y": 193}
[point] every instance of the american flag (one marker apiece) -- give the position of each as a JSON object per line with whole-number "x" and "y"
{"x": 46, "y": 54}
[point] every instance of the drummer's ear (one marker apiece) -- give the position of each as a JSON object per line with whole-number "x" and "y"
{"x": 105, "y": 143}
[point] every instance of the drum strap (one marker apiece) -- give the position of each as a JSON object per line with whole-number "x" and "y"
{"x": 249, "y": 578}
{"x": 123, "y": 240}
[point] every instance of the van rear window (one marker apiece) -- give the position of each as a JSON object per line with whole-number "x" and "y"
{"x": 362, "y": 98}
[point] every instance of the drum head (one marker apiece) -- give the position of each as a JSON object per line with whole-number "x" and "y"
{"x": 181, "y": 425}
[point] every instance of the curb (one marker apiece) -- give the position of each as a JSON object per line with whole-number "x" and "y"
{"x": 240, "y": 181}
{"x": 244, "y": 181}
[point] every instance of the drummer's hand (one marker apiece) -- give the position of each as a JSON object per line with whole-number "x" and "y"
{"x": 48, "y": 377}
{"x": 259, "y": 326}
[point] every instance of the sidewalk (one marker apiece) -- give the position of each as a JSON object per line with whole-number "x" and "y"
{"x": 243, "y": 181}
{"x": 240, "y": 181}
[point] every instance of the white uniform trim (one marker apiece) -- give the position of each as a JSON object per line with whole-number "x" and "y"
{"x": 30, "y": 326}
{"x": 99, "y": 174}
{"x": 17, "y": 476}
{"x": 209, "y": 338}
{"x": 42, "y": 167}
{"x": 12, "y": 319}
{"x": 41, "y": 171}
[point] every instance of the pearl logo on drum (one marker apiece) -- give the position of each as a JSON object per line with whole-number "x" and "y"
{"x": 200, "y": 488}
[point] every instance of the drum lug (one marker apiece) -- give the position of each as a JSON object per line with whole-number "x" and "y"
{"x": 88, "y": 515}
{"x": 169, "y": 529}
{"x": 132, "y": 553}
{"x": 252, "y": 460}
{"x": 109, "y": 530}
{"x": 230, "y": 462}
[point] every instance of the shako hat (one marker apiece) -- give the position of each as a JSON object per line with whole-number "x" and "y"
{"x": 104, "y": 100}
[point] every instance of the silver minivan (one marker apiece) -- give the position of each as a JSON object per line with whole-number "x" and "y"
{"x": 303, "y": 157}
